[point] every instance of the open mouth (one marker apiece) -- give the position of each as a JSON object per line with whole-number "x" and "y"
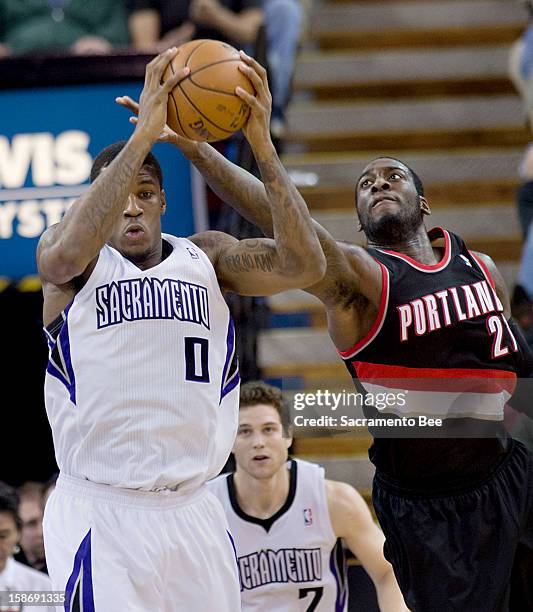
{"x": 382, "y": 200}
{"x": 260, "y": 459}
{"x": 134, "y": 231}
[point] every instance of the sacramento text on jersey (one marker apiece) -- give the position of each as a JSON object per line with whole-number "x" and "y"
{"x": 151, "y": 298}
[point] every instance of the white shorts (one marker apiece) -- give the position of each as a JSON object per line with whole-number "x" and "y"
{"x": 114, "y": 549}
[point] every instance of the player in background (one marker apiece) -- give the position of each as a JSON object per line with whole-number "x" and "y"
{"x": 15, "y": 577}
{"x": 418, "y": 305}
{"x": 31, "y": 514}
{"x": 142, "y": 383}
{"x": 287, "y": 520}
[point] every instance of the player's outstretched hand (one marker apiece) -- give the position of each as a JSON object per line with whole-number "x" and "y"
{"x": 152, "y": 107}
{"x": 257, "y": 128}
{"x": 166, "y": 135}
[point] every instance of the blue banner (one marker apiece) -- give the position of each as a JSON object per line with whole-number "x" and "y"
{"x": 48, "y": 140}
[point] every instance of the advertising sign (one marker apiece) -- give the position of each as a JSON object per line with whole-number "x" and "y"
{"x": 48, "y": 140}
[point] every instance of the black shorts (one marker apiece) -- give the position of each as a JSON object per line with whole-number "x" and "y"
{"x": 469, "y": 548}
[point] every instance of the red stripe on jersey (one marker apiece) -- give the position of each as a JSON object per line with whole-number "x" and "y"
{"x": 433, "y": 234}
{"x": 485, "y": 269}
{"x": 376, "y": 326}
{"x": 436, "y": 379}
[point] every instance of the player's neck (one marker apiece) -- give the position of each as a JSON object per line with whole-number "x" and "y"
{"x": 160, "y": 251}
{"x": 262, "y": 498}
{"x": 418, "y": 247}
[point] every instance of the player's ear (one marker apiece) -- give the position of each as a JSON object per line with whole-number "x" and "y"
{"x": 288, "y": 435}
{"x": 163, "y": 202}
{"x": 359, "y": 224}
{"x": 424, "y": 205}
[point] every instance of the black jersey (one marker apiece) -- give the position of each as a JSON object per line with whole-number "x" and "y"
{"x": 442, "y": 348}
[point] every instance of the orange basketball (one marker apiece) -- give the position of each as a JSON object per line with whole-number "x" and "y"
{"x": 203, "y": 106}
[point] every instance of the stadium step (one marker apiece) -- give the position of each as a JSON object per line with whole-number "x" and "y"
{"x": 435, "y": 166}
{"x": 406, "y": 124}
{"x": 440, "y": 195}
{"x": 297, "y": 376}
{"x": 451, "y": 178}
{"x": 404, "y": 72}
{"x": 409, "y": 139}
{"x": 302, "y": 346}
{"x": 416, "y": 37}
{"x": 378, "y": 25}
{"x": 473, "y": 223}
{"x": 341, "y": 446}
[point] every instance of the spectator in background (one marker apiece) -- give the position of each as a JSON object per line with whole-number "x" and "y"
{"x": 81, "y": 26}
{"x": 15, "y": 576}
{"x": 521, "y": 72}
{"x": 31, "y": 515}
{"x": 283, "y": 22}
{"x": 156, "y": 25}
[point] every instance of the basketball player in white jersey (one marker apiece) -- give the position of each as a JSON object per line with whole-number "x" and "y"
{"x": 142, "y": 383}
{"x": 287, "y": 520}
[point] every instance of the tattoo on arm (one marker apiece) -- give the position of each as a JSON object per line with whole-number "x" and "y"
{"x": 274, "y": 205}
{"x": 235, "y": 186}
{"x": 247, "y": 262}
{"x": 206, "y": 242}
{"x": 296, "y": 240}
{"x": 253, "y": 254}
{"x": 106, "y": 196}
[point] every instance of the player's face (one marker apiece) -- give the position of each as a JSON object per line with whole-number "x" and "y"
{"x": 137, "y": 233}
{"x": 389, "y": 207}
{"x": 31, "y": 541}
{"x": 8, "y": 537}
{"x": 260, "y": 449}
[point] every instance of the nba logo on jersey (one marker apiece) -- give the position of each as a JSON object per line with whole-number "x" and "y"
{"x": 308, "y": 516}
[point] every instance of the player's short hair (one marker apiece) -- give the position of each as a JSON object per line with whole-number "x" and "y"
{"x": 107, "y": 155}
{"x": 419, "y": 186}
{"x": 9, "y": 502}
{"x": 258, "y": 392}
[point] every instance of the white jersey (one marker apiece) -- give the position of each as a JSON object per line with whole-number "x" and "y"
{"x": 18, "y": 577}
{"x": 142, "y": 382}
{"x": 293, "y": 561}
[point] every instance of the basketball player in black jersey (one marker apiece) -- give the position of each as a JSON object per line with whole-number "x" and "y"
{"x": 417, "y": 310}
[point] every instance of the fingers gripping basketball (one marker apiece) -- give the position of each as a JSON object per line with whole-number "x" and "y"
{"x": 203, "y": 106}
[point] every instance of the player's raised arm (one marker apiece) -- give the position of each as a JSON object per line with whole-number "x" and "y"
{"x": 297, "y": 248}
{"x": 294, "y": 257}
{"x": 352, "y": 521}
{"x": 68, "y": 248}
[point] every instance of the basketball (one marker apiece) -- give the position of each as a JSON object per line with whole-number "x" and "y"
{"x": 203, "y": 106}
